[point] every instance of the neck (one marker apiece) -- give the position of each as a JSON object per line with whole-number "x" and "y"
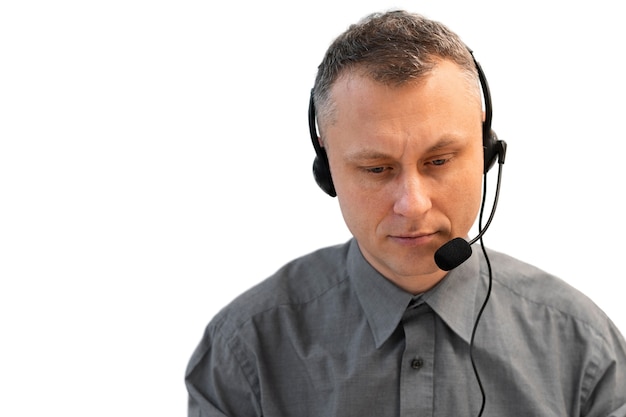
{"x": 418, "y": 284}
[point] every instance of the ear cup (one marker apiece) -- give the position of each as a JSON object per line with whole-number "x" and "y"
{"x": 490, "y": 149}
{"x": 321, "y": 167}
{"x": 494, "y": 150}
{"x": 321, "y": 173}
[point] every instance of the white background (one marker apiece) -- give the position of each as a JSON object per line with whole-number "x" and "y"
{"x": 155, "y": 162}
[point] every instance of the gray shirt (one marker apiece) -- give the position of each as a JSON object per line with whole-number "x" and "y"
{"x": 327, "y": 335}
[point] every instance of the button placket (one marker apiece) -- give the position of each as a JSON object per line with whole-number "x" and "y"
{"x": 417, "y": 377}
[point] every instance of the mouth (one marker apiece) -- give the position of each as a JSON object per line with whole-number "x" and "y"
{"x": 413, "y": 239}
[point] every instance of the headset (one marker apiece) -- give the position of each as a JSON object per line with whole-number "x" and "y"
{"x": 494, "y": 148}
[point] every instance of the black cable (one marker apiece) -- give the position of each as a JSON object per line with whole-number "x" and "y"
{"x": 482, "y": 308}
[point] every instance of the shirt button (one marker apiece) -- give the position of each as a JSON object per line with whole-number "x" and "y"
{"x": 417, "y": 363}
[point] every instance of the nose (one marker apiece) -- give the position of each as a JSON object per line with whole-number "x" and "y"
{"x": 413, "y": 195}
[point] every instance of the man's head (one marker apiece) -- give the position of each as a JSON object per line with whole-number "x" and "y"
{"x": 400, "y": 117}
{"x": 391, "y": 48}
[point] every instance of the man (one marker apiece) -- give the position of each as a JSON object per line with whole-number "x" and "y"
{"x": 376, "y": 327}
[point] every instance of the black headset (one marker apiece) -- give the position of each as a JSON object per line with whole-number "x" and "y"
{"x": 494, "y": 148}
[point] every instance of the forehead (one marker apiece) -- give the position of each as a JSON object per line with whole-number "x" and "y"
{"x": 354, "y": 88}
{"x": 446, "y": 88}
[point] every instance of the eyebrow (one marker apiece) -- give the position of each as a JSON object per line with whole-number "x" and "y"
{"x": 443, "y": 143}
{"x": 372, "y": 154}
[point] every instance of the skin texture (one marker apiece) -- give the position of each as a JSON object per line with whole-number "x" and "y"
{"x": 406, "y": 162}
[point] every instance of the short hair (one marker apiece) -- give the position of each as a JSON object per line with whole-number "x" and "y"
{"x": 392, "y": 48}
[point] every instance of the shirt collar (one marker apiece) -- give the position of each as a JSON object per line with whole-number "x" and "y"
{"x": 384, "y": 303}
{"x": 454, "y": 298}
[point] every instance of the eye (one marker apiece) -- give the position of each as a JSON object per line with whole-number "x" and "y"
{"x": 439, "y": 161}
{"x": 376, "y": 170}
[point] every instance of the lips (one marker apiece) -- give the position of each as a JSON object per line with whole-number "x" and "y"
{"x": 413, "y": 239}
{"x": 413, "y": 236}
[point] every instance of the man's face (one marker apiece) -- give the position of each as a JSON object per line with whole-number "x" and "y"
{"x": 407, "y": 165}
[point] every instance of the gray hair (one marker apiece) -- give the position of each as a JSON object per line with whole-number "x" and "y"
{"x": 392, "y": 48}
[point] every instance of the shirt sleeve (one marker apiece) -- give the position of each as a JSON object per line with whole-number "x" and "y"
{"x": 621, "y": 412}
{"x": 607, "y": 378}
{"x": 216, "y": 383}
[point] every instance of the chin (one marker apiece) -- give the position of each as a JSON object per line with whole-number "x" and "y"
{"x": 413, "y": 265}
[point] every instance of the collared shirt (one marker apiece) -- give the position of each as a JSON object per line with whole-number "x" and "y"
{"x": 327, "y": 335}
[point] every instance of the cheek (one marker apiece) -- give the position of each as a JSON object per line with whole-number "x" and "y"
{"x": 362, "y": 212}
{"x": 358, "y": 209}
{"x": 468, "y": 201}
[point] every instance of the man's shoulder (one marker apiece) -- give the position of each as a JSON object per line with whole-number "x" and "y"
{"x": 298, "y": 282}
{"x": 528, "y": 285}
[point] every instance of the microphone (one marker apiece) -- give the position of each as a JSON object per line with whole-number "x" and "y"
{"x": 453, "y": 254}
{"x": 458, "y": 250}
